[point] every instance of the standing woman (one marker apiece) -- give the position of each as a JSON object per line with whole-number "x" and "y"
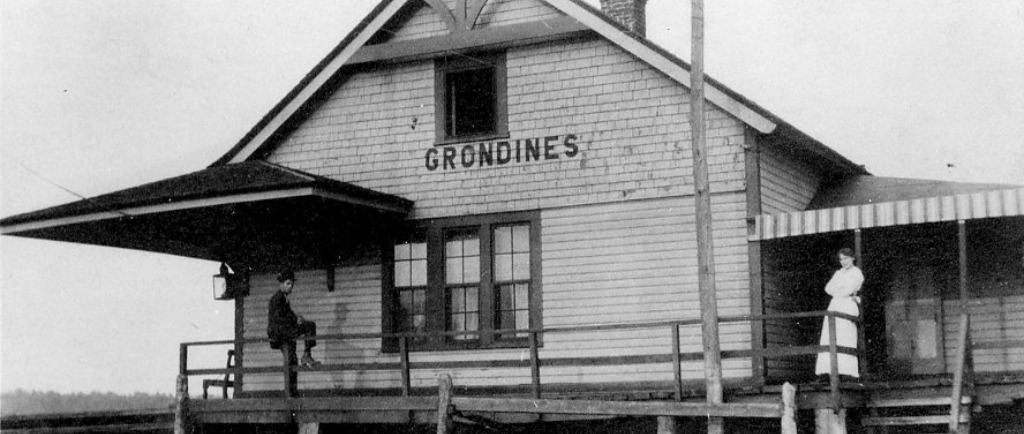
{"x": 843, "y": 287}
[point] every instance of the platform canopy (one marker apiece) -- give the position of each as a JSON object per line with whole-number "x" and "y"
{"x": 867, "y": 202}
{"x": 255, "y": 212}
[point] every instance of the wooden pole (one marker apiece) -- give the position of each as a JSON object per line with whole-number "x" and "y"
{"x": 961, "y": 235}
{"x": 705, "y": 247}
{"x": 444, "y": 404}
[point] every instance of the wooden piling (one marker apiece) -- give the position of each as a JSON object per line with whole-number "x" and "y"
{"x": 180, "y": 401}
{"x": 668, "y": 425}
{"x": 788, "y": 409}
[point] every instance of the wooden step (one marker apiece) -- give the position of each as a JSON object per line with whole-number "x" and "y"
{"x": 909, "y": 420}
{"x": 924, "y": 401}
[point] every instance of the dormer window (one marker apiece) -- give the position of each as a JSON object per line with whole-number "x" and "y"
{"x": 470, "y": 97}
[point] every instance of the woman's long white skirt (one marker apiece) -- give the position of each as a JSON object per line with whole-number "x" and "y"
{"x": 846, "y": 336}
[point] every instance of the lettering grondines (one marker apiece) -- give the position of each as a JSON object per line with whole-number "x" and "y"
{"x": 501, "y": 152}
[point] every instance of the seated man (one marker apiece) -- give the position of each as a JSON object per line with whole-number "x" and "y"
{"x": 284, "y": 326}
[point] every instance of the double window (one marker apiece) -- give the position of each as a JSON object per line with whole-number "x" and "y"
{"x": 476, "y": 280}
{"x": 470, "y": 97}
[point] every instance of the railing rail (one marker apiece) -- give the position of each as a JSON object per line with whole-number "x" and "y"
{"x": 535, "y": 362}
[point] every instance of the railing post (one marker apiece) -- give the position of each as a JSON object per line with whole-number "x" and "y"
{"x": 676, "y": 369}
{"x": 535, "y": 364}
{"x": 181, "y": 425}
{"x": 289, "y": 380}
{"x": 963, "y": 343}
{"x": 183, "y": 361}
{"x": 403, "y": 347}
{"x": 444, "y": 404}
{"x": 833, "y": 351}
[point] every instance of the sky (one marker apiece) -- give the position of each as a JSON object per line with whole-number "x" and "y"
{"x": 101, "y": 95}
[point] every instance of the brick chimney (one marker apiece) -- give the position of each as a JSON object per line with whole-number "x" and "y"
{"x": 629, "y": 13}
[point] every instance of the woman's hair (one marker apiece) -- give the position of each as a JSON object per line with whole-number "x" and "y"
{"x": 846, "y": 251}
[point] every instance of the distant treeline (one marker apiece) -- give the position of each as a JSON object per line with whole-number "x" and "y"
{"x": 23, "y": 402}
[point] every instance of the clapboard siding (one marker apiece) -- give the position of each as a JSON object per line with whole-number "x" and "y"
{"x": 787, "y": 184}
{"x": 992, "y": 319}
{"x": 778, "y": 298}
{"x": 603, "y": 285}
{"x": 353, "y": 307}
{"x": 375, "y": 130}
{"x": 629, "y": 263}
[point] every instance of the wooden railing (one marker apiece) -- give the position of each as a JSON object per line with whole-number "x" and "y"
{"x": 535, "y": 362}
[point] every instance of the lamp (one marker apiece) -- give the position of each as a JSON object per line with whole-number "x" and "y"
{"x": 228, "y": 285}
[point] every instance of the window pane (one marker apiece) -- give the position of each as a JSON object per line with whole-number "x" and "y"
{"x": 521, "y": 266}
{"x": 419, "y": 323}
{"x": 522, "y": 321}
{"x": 458, "y": 300}
{"x": 406, "y": 301}
{"x": 419, "y": 273}
{"x": 401, "y": 252}
{"x": 503, "y": 239}
{"x": 507, "y": 297}
{"x": 472, "y": 300}
{"x": 521, "y": 238}
{"x": 472, "y": 323}
{"x": 522, "y": 296}
{"x": 503, "y": 268}
{"x": 471, "y": 246}
{"x": 419, "y": 251}
{"x": 420, "y": 301}
{"x": 453, "y": 248}
{"x": 508, "y": 320}
{"x": 471, "y": 102}
{"x": 453, "y": 270}
{"x": 402, "y": 273}
{"x": 471, "y": 270}
{"x": 458, "y": 325}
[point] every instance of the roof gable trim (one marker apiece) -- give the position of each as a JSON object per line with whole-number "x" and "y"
{"x": 584, "y": 13}
{"x": 153, "y": 209}
{"x": 202, "y": 203}
{"x": 596, "y": 21}
{"x": 318, "y": 81}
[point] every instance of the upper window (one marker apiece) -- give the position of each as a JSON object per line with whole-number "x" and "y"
{"x": 470, "y": 97}
{"x": 476, "y": 279}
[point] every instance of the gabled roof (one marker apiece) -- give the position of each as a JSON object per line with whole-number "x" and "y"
{"x": 291, "y": 107}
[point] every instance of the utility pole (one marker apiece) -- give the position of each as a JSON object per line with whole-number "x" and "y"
{"x": 705, "y": 246}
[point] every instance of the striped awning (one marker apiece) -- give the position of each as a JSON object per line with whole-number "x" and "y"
{"x": 988, "y": 204}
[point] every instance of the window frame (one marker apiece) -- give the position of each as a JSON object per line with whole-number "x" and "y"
{"x": 437, "y": 311}
{"x": 457, "y": 63}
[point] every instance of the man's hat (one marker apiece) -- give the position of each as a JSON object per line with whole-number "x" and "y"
{"x": 285, "y": 275}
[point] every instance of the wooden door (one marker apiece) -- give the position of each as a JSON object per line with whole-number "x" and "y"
{"x": 913, "y": 319}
